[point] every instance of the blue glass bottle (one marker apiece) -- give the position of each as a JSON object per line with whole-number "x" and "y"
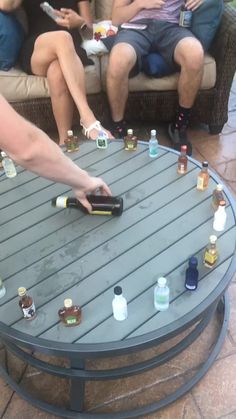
{"x": 191, "y": 275}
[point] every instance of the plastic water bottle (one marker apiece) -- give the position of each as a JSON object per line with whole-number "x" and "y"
{"x": 8, "y": 165}
{"x": 161, "y": 295}
{"x": 101, "y": 140}
{"x": 153, "y": 144}
{"x": 119, "y": 305}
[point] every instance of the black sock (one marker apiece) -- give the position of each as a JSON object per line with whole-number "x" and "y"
{"x": 182, "y": 117}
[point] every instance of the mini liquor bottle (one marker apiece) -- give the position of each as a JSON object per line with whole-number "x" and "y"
{"x": 26, "y": 304}
{"x": 119, "y": 305}
{"x": 161, "y": 295}
{"x": 220, "y": 217}
{"x": 70, "y": 315}
{"x": 153, "y": 144}
{"x": 130, "y": 141}
{"x": 203, "y": 177}
{"x": 191, "y": 274}
{"x": 182, "y": 161}
{"x": 101, "y": 204}
{"x": 2, "y": 288}
{"x": 71, "y": 142}
{"x": 101, "y": 140}
{"x": 185, "y": 17}
{"x": 8, "y": 166}
{"x": 211, "y": 252}
{"x": 217, "y": 196}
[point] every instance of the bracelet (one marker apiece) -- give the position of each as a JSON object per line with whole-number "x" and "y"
{"x": 83, "y": 27}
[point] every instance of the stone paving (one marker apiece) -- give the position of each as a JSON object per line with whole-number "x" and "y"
{"x": 214, "y": 396}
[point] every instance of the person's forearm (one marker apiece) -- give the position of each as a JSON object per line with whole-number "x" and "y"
{"x": 9, "y": 5}
{"x": 123, "y": 13}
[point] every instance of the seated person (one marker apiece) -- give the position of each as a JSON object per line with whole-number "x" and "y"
{"x": 52, "y": 49}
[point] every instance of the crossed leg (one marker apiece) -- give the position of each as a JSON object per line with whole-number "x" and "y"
{"x": 54, "y": 51}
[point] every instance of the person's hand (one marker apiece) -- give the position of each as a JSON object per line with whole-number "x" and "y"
{"x": 193, "y": 4}
{"x": 93, "y": 185}
{"x": 153, "y": 4}
{"x": 69, "y": 19}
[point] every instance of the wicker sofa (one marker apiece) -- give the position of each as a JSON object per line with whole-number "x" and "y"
{"x": 150, "y": 99}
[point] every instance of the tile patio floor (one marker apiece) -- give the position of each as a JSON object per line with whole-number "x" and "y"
{"x": 215, "y": 396}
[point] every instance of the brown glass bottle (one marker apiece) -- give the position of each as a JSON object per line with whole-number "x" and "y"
{"x": 101, "y": 204}
{"x": 182, "y": 161}
{"x": 71, "y": 142}
{"x": 217, "y": 196}
{"x": 26, "y": 304}
{"x": 130, "y": 141}
{"x": 203, "y": 177}
{"x": 211, "y": 253}
{"x": 70, "y": 315}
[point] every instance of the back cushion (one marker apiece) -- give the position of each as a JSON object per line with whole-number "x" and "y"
{"x": 11, "y": 39}
{"x": 103, "y": 9}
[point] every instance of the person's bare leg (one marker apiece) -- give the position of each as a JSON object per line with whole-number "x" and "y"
{"x": 62, "y": 102}
{"x": 121, "y": 61}
{"x": 59, "y": 45}
{"x": 189, "y": 55}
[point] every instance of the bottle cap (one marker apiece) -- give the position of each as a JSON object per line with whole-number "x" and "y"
{"x": 153, "y": 132}
{"x": 117, "y": 290}
{"x": 183, "y": 148}
{"x": 205, "y": 164}
{"x": 70, "y": 133}
{"x": 219, "y": 187}
{"x": 21, "y": 291}
{"x": 3, "y": 154}
{"x": 222, "y": 203}
{"x": 161, "y": 281}
{"x": 68, "y": 302}
{"x": 130, "y": 131}
{"x": 193, "y": 261}
{"x": 212, "y": 239}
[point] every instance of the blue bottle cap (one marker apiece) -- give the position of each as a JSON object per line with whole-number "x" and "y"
{"x": 193, "y": 261}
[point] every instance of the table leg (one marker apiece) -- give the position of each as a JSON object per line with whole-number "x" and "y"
{"x": 77, "y": 387}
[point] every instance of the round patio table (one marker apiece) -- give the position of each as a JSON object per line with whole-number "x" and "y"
{"x": 58, "y": 254}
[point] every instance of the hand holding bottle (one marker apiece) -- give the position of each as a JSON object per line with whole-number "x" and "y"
{"x": 91, "y": 185}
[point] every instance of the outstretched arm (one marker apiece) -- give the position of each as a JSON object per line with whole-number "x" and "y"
{"x": 33, "y": 149}
{"x": 9, "y": 5}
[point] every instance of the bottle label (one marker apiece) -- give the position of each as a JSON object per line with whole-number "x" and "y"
{"x": 210, "y": 258}
{"x": 61, "y": 201}
{"x": 162, "y": 299}
{"x": 153, "y": 150}
{"x": 71, "y": 320}
{"x": 181, "y": 169}
{"x": 101, "y": 142}
{"x": 200, "y": 183}
{"x": 29, "y": 311}
{"x": 98, "y": 212}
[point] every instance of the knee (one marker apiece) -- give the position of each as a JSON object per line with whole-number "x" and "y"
{"x": 64, "y": 39}
{"x": 192, "y": 56}
{"x": 121, "y": 61}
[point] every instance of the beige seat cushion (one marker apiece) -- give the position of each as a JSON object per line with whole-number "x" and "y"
{"x": 15, "y": 85}
{"x": 143, "y": 83}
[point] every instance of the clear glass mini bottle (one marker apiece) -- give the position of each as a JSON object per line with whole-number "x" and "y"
{"x": 182, "y": 161}
{"x": 203, "y": 177}
{"x": 2, "y": 288}
{"x": 26, "y": 304}
{"x": 161, "y": 295}
{"x": 211, "y": 252}
{"x": 119, "y": 305}
{"x": 8, "y": 165}
{"x": 101, "y": 140}
{"x": 217, "y": 196}
{"x": 71, "y": 142}
{"x": 185, "y": 17}
{"x": 130, "y": 141}
{"x": 70, "y": 315}
{"x": 220, "y": 217}
{"x": 153, "y": 144}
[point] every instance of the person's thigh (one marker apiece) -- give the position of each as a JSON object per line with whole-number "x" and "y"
{"x": 168, "y": 36}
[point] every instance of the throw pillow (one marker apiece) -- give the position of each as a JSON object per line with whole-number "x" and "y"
{"x": 206, "y": 20}
{"x": 154, "y": 65}
{"x": 11, "y": 39}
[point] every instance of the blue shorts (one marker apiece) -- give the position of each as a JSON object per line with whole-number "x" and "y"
{"x": 159, "y": 36}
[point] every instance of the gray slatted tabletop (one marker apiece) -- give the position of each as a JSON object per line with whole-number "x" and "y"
{"x": 58, "y": 254}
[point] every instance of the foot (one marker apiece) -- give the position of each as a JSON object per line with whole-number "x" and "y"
{"x": 92, "y": 131}
{"x": 119, "y": 129}
{"x": 178, "y": 138}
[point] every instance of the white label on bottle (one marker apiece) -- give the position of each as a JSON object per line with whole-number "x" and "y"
{"x": 61, "y": 201}
{"x": 120, "y": 311}
{"x": 29, "y": 311}
{"x": 181, "y": 168}
{"x": 200, "y": 183}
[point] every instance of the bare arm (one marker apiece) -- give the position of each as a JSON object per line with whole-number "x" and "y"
{"x": 9, "y": 5}
{"x": 124, "y": 10}
{"x": 33, "y": 149}
{"x": 70, "y": 19}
